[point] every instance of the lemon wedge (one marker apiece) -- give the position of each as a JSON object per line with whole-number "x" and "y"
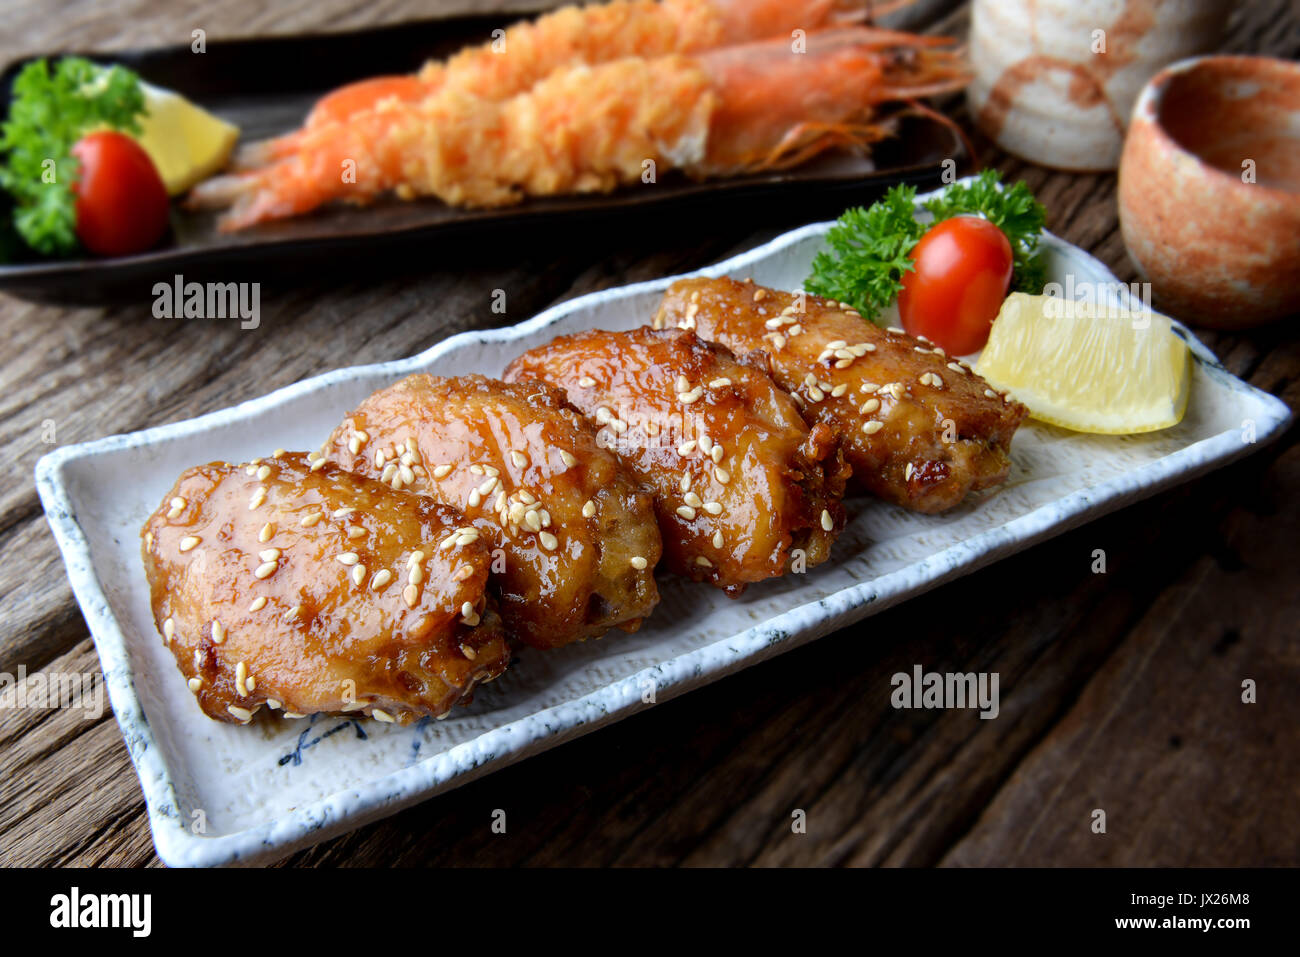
{"x": 1086, "y": 367}
{"x": 186, "y": 143}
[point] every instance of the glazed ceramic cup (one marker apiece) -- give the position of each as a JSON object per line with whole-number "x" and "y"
{"x": 1209, "y": 189}
{"x": 1055, "y": 80}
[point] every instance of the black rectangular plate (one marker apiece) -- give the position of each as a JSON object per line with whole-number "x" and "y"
{"x": 266, "y": 85}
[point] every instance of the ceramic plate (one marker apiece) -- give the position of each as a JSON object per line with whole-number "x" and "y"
{"x": 245, "y": 81}
{"x": 275, "y": 786}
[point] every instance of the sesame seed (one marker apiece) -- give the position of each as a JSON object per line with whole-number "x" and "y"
{"x": 188, "y": 542}
{"x": 759, "y": 294}
{"x": 839, "y": 390}
{"x": 586, "y": 382}
{"x": 269, "y": 554}
{"x": 293, "y": 613}
{"x": 356, "y": 531}
{"x": 264, "y": 473}
{"x": 837, "y": 344}
{"x": 381, "y": 715}
{"x": 693, "y": 396}
{"x": 702, "y": 561}
{"x": 588, "y": 509}
{"x": 309, "y": 521}
{"x": 869, "y": 387}
{"x": 354, "y": 445}
{"x": 955, "y": 367}
{"x": 177, "y": 506}
{"x": 713, "y": 508}
{"x": 259, "y": 496}
{"x": 907, "y": 473}
{"x": 273, "y": 704}
{"x": 815, "y": 393}
{"x": 194, "y": 684}
{"x": 870, "y": 406}
{"x": 293, "y": 714}
{"x": 243, "y": 714}
{"x": 241, "y": 675}
{"x": 828, "y": 523}
{"x": 266, "y": 569}
{"x": 487, "y": 487}
{"x": 717, "y": 453}
{"x": 348, "y": 558}
{"x": 719, "y": 382}
{"x": 442, "y": 471}
{"x": 344, "y": 512}
{"x": 639, "y": 563}
{"x": 410, "y": 595}
{"x": 218, "y": 632}
{"x": 414, "y": 575}
{"x": 407, "y": 476}
{"x": 872, "y": 427}
{"x": 533, "y": 520}
{"x": 687, "y": 447}
{"x": 990, "y": 394}
{"x": 683, "y": 384}
{"x": 721, "y": 474}
{"x": 896, "y": 331}
{"x": 358, "y": 574}
{"x": 169, "y": 629}
{"x": 475, "y": 499}
{"x": 795, "y": 329}
{"x": 462, "y": 573}
{"x": 258, "y": 603}
{"x": 277, "y": 453}
{"x": 686, "y": 512}
{"x": 568, "y": 458}
{"x": 314, "y": 456}
{"x": 549, "y": 541}
{"x": 717, "y": 539}
{"x": 266, "y": 532}
{"x": 317, "y": 465}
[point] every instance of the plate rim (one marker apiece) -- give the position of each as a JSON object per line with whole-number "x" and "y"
{"x": 381, "y": 796}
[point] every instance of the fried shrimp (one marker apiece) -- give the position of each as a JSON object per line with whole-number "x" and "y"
{"x": 919, "y": 428}
{"x": 529, "y": 51}
{"x": 303, "y": 590}
{"x": 574, "y": 539}
{"x": 588, "y": 128}
{"x": 742, "y": 486}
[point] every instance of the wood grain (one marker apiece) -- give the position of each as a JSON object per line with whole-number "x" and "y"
{"x": 1120, "y": 691}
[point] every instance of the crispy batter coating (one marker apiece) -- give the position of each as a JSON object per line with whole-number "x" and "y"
{"x": 740, "y": 482}
{"x": 920, "y": 429}
{"x": 577, "y": 536}
{"x": 314, "y": 590}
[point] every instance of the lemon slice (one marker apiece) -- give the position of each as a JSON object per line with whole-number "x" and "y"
{"x": 1088, "y": 368}
{"x": 186, "y": 143}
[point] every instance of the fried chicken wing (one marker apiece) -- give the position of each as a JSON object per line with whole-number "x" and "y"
{"x": 309, "y": 589}
{"x": 577, "y": 536}
{"x": 919, "y": 429}
{"x": 739, "y": 480}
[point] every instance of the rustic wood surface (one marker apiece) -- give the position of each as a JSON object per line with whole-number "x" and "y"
{"x": 1119, "y": 691}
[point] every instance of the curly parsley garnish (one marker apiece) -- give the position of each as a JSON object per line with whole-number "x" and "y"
{"x": 870, "y": 249}
{"x": 50, "y": 111}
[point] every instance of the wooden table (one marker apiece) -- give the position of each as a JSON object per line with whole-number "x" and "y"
{"x": 1120, "y": 691}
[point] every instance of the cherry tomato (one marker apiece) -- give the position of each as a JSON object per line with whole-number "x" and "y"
{"x": 122, "y": 205}
{"x": 963, "y": 271}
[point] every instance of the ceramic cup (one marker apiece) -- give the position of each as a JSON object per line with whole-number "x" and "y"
{"x": 1055, "y": 80}
{"x": 1209, "y": 189}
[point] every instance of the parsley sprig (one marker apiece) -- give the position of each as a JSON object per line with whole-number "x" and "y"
{"x": 870, "y": 249}
{"x": 51, "y": 109}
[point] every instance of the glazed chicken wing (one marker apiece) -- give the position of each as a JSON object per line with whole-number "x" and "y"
{"x": 739, "y": 480}
{"x": 576, "y": 536}
{"x": 309, "y": 589}
{"x": 919, "y": 429}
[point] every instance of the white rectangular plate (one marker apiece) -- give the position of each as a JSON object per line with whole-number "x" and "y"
{"x": 278, "y": 785}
